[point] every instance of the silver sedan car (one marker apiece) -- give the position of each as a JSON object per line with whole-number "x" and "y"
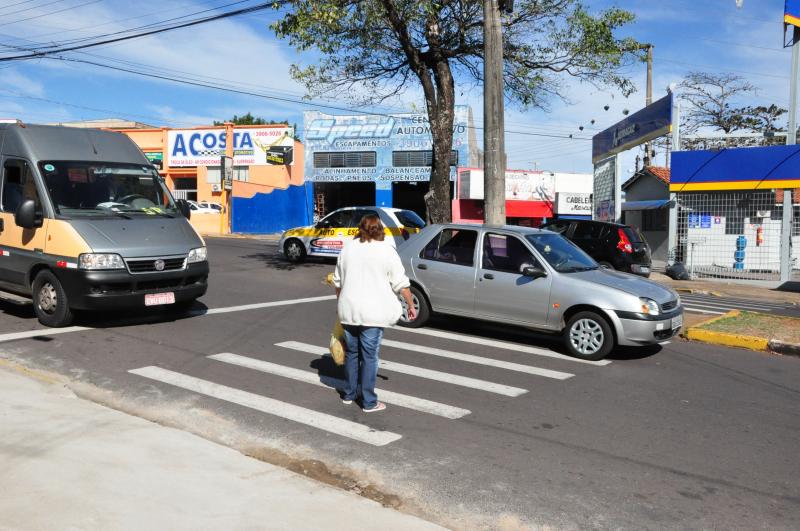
{"x": 537, "y": 279}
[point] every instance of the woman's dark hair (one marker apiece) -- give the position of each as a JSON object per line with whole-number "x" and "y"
{"x": 370, "y": 228}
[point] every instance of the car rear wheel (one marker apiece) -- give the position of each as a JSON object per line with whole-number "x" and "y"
{"x": 50, "y": 300}
{"x": 294, "y": 250}
{"x": 422, "y": 307}
{"x": 588, "y": 336}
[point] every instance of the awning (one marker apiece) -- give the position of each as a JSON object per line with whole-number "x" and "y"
{"x": 646, "y": 205}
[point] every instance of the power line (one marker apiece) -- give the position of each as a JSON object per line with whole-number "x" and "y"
{"x": 196, "y": 22}
{"x": 18, "y": 3}
{"x": 50, "y": 13}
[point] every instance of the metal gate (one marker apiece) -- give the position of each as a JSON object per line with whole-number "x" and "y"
{"x": 733, "y": 235}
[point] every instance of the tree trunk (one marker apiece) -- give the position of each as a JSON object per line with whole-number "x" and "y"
{"x": 441, "y": 115}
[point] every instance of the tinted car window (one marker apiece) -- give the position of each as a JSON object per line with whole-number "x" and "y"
{"x": 587, "y": 231}
{"x": 557, "y": 226}
{"x": 341, "y": 218}
{"x": 454, "y": 246}
{"x": 506, "y": 253}
{"x": 356, "y": 215}
{"x": 409, "y": 219}
{"x": 633, "y": 235}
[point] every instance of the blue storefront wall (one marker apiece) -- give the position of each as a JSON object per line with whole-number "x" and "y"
{"x": 267, "y": 213}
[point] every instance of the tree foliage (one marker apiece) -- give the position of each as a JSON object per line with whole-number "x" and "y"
{"x": 249, "y": 119}
{"x": 373, "y": 50}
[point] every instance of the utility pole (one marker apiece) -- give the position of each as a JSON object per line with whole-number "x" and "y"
{"x": 791, "y": 138}
{"x": 494, "y": 175}
{"x": 649, "y": 97}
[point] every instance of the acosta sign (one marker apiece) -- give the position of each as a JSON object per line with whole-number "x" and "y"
{"x": 204, "y": 147}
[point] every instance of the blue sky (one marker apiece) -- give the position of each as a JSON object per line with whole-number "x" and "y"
{"x": 704, "y": 35}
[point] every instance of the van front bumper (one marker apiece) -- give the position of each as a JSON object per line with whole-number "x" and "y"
{"x": 641, "y": 329}
{"x": 118, "y": 289}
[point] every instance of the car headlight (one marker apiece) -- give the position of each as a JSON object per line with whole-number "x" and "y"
{"x": 649, "y": 306}
{"x": 99, "y": 261}
{"x": 678, "y": 300}
{"x": 197, "y": 255}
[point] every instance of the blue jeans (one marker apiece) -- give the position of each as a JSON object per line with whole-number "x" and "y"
{"x": 361, "y": 363}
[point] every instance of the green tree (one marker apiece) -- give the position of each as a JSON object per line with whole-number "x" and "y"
{"x": 712, "y": 101}
{"x": 249, "y": 119}
{"x": 375, "y": 49}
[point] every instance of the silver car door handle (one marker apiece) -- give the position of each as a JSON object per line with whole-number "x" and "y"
{"x": 488, "y": 276}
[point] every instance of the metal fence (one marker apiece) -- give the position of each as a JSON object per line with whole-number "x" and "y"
{"x": 734, "y": 235}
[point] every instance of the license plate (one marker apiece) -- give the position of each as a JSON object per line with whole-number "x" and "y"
{"x": 644, "y": 269}
{"x": 157, "y": 299}
{"x": 677, "y": 322}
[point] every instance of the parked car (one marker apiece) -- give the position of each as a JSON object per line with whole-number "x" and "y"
{"x": 537, "y": 279}
{"x": 208, "y": 204}
{"x": 197, "y": 208}
{"x": 327, "y": 237}
{"x": 612, "y": 245}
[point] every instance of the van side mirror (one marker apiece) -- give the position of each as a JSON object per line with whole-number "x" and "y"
{"x": 184, "y": 207}
{"x": 26, "y": 215}
{"x": 534, "y": 272}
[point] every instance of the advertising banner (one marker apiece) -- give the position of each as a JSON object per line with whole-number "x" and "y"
{"x": 251, "y": 147}
{"x": 606, "y": 195}
{"x": 574, "y": 204}
{"x": 651, "y": 122}
{"x": 376, "y": 147}
{"x": 791, "y": 12}
{"x": 520, "y": 185}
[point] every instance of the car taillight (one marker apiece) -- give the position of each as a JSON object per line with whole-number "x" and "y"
{"x": 405, "y": 234}
{"x": 624, "y": 243}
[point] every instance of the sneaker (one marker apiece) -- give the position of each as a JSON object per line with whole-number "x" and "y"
{"x": 380, "y": 406}
{"x": 346, "y": 401}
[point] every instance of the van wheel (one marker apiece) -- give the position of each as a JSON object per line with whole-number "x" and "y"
{"x": 422, "y": 307}
{"x": 50, "y": 300}
{"x": 588, "y": 336}
{"x": 294, "y": 250}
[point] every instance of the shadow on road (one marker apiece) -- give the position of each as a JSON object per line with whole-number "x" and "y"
{"x": 278, "y": 262}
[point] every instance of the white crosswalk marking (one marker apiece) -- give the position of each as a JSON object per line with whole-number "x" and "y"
{"x": 309, "y": 417}
{"x": 397, "y": 399}
{"x": 429, "y": 374}
{"x": 547, "y": 373}
{"x": 698, "y": 310}
{"x": 728, "y": 306}
{"x": 496, "y": 344}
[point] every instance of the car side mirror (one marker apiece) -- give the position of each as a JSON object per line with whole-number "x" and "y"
{"x": 26, "y": 215}
{"x": 534, "y": 272}
{"x": 184, "y": 208}
{"x": 605, "y": 266}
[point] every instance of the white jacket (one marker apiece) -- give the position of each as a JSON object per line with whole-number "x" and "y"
{"x": 370, "y": 276}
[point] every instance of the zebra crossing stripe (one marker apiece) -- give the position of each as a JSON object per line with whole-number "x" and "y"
{"x": 309, "y": 417}
{"x": 497, "y": 344}
{"x": 397, "y": 399}
{"x": 429, "y": 374}
{"x": 518, "y": 367}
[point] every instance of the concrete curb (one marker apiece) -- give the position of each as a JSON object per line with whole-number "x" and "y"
{"x": 696, "y": 333}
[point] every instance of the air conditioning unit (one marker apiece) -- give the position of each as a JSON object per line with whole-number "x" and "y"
{"x": 216, "y": 188}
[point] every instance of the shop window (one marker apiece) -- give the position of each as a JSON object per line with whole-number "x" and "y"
{"x": 452, "y": 246}
{"x": 418, "y": 158}
{"x": 654, "y": 220}
{"x": 348, "y": 159}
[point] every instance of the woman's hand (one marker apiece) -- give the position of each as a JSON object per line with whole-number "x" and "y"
{"x": 411, "y": 311}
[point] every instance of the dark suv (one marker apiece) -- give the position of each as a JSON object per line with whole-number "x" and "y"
{"x": 611, "y": 244}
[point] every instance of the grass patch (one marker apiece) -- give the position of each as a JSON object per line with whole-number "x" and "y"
{"x": 758, "y": 325}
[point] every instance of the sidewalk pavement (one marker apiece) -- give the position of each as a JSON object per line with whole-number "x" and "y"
{"x": 72, "y": 464}
{"x": 736, "y": 290}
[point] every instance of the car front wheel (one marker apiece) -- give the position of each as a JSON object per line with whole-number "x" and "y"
{"x": 294, "y": 250}
{"x": 588, "y": 336}
{"x": 50, "y": 300}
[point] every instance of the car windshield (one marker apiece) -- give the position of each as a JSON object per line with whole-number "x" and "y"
{"x": 410, "y": 219}
{"x": 85, "y": 189}
{"x": 562, "y": 255}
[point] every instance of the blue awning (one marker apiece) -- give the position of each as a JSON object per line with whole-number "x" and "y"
{"x": 646, "y": 205}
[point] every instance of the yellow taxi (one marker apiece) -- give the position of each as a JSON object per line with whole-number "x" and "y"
{"x": 327, "y": 237}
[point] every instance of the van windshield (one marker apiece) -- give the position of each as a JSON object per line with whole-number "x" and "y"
{"x": 106, "y": 189}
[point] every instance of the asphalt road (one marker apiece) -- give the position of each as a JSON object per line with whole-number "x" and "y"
{"x": 711, "y": 305}
{"x": 486, "y": 426}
